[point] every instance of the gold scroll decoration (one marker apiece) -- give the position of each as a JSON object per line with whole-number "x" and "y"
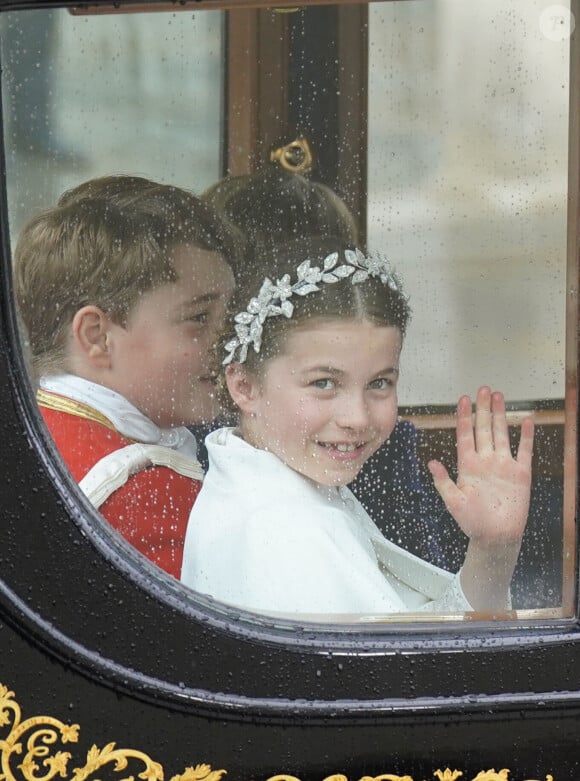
{"x": 31, "y": 751}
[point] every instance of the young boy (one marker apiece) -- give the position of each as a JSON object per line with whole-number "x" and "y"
{"x": 121, "y": 299}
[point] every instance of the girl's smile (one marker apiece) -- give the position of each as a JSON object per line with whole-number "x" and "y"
{"x": 344, "y": 451}
{"x": 327, "y": 402}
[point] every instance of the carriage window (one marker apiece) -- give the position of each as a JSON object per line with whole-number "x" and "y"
{"x": 148, "y": 154}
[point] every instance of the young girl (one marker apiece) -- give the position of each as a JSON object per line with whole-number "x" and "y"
{"x": 312, "y": 363}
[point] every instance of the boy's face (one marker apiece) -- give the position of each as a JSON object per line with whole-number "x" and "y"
{"x": 160, "y": 361}
{"x": 329, "y": 400}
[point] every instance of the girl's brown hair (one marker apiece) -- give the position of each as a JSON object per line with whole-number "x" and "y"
{"x": 370, "y": 300}
{"x": 273, "y": 206}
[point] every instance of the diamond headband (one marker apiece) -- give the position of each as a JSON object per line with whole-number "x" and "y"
{"x": 273, "y": 300}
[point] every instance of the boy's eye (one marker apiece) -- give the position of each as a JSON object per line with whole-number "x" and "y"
{"x": 324, "y": 384}
{"x": 201, "y": 318}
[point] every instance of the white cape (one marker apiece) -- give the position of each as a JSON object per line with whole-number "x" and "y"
{"x": 265, "y": 538}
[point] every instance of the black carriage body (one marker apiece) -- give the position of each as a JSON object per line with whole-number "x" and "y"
{"x": 90, "y": 636}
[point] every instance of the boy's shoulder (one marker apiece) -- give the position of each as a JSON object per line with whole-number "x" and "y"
{"x": 144, "y": 480}
{"x": 150, "y": 509}
{"x": 81, "y": 442}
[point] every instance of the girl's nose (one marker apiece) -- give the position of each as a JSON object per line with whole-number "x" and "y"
{"x": 352, "y": 413}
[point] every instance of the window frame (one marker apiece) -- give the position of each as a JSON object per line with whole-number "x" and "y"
{"x": 70, "y": 585}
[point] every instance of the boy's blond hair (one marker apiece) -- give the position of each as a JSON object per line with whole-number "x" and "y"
{"x": 90, "y": 250}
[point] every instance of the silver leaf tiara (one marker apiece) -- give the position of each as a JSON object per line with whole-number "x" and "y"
{"x": 273, "y": 300}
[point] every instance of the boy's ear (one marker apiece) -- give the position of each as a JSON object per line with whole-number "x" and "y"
{"x": 243, "y": 387}
{"x": 90, "y": 333}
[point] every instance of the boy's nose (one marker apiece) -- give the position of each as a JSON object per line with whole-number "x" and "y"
{"x": 353, "y": 413}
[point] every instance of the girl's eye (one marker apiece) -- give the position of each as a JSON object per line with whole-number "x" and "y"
{"x": 324, "y": 384}
{"x": 381, "y": 383}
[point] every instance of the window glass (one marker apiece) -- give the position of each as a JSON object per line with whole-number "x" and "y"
{"x": 468, "y": 188}
{"x": 88, "y": 96}
{"x": 443, "y": 129}
{"x": 468, "y": 185}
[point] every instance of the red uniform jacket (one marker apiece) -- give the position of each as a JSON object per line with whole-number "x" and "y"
{"x": 151, "y": 510}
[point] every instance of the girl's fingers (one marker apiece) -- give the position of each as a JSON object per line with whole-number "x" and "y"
{"x": 445, "y": 486}
{"x": 465, "y": 440}
{"x": 501, "y": 438}
{"x": 526, "y": 446}
{"x": 437, "y": 470}
{"x": 483, "y": 421}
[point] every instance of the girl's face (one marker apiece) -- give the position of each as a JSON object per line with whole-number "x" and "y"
{"x": 328, "y": 401}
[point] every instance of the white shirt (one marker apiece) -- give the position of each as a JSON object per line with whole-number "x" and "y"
{"x": 267, "y": 539}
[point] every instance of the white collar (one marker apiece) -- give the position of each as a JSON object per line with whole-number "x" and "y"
{"x": 125, "y": 417}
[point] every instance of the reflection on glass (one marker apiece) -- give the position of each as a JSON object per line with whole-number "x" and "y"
{"x": 468, "y": 111}
{"x": 468, "y": 184}
{"x": 85, "y": 97}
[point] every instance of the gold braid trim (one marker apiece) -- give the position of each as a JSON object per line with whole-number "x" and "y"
{"x": 26, "y": 754}
{"x": 72, "y": 407}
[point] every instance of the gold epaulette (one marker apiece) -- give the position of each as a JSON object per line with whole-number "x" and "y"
{"x": 72, "y": 407}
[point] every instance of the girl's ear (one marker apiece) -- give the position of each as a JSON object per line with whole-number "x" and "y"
{"x": 91, "y": 334}
{"x": 243, "y": 387}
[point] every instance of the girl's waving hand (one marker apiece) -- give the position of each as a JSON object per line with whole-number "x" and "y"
{"x": 490, "y": 499}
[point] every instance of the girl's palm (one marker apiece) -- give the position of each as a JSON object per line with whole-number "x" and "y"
{"x": 490, "y": 500}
